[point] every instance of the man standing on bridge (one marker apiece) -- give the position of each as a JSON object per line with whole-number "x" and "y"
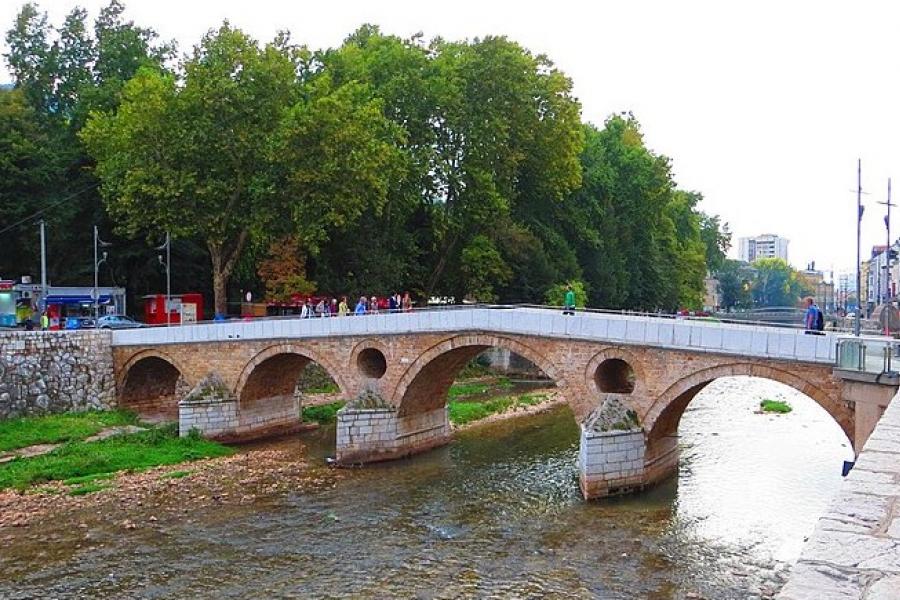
{"x": 569, "y": 302}
{"x": 815, "y": 320}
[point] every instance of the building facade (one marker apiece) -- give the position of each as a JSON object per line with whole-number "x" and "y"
{"x": 766, "y": 245}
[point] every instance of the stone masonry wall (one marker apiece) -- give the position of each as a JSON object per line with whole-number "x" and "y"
{"x": 854, "y": 552}
{"x": 373, "y": 434}
{"x": 55, "y": 371}
{"x": 610, "y": 462}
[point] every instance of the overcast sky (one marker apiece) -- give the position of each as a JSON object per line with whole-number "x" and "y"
{"x": 764, "y": 107}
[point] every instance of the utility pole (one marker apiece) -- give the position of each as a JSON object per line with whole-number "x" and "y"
{"x": 859, "y": 214}
{"x": 887, "y": 256}
{"x": 43, "y": 267}
{"x": 167, "y": 264}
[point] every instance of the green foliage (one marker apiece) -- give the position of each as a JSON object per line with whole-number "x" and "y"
{"x": 776, "y": 283}
{"x": 556, "y": 295}
{"x": 160, "y": 446}
{"x": 443, "y": 168}
{"x": 323, "y": 413}
{"x": 53, "y": 429}
{"x": 735, "y": 282}
{"x": 775, "y": 406}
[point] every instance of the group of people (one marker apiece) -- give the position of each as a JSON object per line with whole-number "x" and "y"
{"x": 365, "y": 306}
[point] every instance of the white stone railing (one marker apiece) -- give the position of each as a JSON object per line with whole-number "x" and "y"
{"x": 661, "y": 332}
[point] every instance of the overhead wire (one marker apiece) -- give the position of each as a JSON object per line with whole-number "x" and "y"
{"x": 48, "y": 207}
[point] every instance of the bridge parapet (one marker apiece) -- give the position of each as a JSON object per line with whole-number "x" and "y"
{"x": 662, "y": 332}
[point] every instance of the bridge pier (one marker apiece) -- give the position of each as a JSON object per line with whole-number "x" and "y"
{"x": 611, "y": 462}
{"x": 367, "y": 435}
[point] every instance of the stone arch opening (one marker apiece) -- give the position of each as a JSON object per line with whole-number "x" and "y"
{"x": 371, "y": 363}
{"x": 271, "y": 387}
{"x": 426, "y": 384}
{"x": 151, "y": 389}
{"x": 615, "y": 376}
{"x": 664, "y": 417}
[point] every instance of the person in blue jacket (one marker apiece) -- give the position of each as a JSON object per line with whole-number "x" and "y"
{"x": 360, "y": 306}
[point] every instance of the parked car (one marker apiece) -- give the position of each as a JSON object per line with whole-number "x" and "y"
{"x": 117, "y": 322}
{"x": 78, "y": 323}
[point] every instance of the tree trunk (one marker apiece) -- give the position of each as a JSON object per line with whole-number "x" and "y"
{"x": 223, "y": 263}
{"x": 220, "y": 281}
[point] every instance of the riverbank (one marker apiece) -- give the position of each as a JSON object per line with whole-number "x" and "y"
{"x": 48, "y": 486}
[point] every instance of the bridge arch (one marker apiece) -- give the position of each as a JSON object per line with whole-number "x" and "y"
{"x": 274, "y": 372}
{"x": 665, "y": 413}
{"x": 151, "y": 383}
{"x": 425, "y": 383}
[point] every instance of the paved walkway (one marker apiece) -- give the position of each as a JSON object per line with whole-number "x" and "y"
{"x": 854, "y": 552}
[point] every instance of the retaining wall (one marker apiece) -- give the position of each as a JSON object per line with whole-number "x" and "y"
{"x": 854, "y": 552}
{"x": 45, "y": 372}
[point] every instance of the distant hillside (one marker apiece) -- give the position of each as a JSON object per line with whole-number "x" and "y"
{"x": 6, "y": 86}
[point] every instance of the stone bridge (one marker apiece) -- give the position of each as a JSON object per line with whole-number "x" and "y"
{"x": 628, "y": 379}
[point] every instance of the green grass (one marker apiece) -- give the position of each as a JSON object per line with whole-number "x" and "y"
{"x": 775, "y": 406}
{"x": 132, "y": 452}
{"x": 323, "y": 413}
{"x": 475, "y": 388}
{"x": 463, "y": 412}
{"x": 175, "y": 474}
{"x": 88, "y": 478}
{"x": 88, "y": 488}
{"x": 54, "y": 429}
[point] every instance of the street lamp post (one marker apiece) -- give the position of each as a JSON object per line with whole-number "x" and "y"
{"x": 98, "y": 243}
{"x": 167, "y": 264}
{"x": 859, "y": 214}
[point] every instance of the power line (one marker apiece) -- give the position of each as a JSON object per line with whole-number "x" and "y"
{"x": 46, "y": 208}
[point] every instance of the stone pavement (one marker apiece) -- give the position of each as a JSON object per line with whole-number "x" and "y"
{"x": 854, "y": 552}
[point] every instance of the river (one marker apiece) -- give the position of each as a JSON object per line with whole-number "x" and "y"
{"x": 496, "y": 514}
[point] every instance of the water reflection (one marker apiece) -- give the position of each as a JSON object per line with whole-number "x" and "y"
{"x": 499, "y": 514}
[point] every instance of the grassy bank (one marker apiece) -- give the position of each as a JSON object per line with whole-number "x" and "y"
{"x": 492, "y": 385}
{"x": 462, "y": 412}
{"x": 55, "y": 429}
{"x": 465, "y": 412}
{"x": 323, "y": 413}
{"x": 85, "y": 462}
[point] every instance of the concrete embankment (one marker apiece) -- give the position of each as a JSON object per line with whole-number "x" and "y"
{"x": 854, "y": 552}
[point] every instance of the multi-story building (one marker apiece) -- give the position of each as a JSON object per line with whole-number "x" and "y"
{"x": 766, "y": 245}
{"x": 846, "y": 291}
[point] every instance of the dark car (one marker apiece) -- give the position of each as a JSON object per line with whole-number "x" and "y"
{"x": 117, "y": 322}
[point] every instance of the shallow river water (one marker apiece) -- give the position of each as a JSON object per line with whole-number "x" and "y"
{"x": 498, "y": 514}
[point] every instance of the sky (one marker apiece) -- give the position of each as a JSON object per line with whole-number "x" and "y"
{"x": 764, "y": 107}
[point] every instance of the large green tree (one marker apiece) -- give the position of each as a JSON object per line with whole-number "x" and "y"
{"x": 236, "y": 149}
{"x": 776, "y": 283}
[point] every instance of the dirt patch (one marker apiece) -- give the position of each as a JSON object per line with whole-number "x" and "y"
{"x": 132, "y": 499}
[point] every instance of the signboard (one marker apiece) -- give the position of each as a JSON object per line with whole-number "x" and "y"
{"x": 188, "y": 312}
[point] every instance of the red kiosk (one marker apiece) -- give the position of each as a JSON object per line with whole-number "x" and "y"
{"x": 183, "y": 308}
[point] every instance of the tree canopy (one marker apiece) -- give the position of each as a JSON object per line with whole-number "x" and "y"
{"x": 447, "y": 168}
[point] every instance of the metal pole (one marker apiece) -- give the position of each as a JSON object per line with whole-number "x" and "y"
{"x": 859, "y": 212}
{"x": 43, "y": 266}
{"x": 168, "y": 279}
{"x": 887, "y": 260}
{"x": 96, "y": 307}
